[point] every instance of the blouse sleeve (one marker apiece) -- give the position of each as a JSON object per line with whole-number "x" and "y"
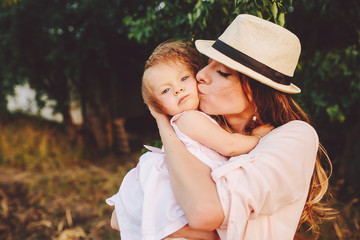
{"x": 276, "y": 173}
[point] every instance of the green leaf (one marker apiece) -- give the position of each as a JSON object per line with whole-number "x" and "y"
{"x": 127, "y": 20}
{"x": 198, "y": 4}
{"x": 281, "y": 19}
{"x": 190, "y": 18}
{"x": 274, "y": 10}
{"x": 335, "y": 113}
{"x": 198, "y": 13}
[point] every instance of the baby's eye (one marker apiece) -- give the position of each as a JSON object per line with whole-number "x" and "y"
{"x": 166, "y": 90}
{"x": 184, "y": 78}
{"x": 224, "y": 74}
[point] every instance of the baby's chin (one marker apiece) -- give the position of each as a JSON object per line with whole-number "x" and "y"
{"x": 184, "y": 110}
{"x": 193, "y": 108}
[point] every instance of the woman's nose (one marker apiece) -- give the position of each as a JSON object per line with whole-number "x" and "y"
{"x": 201, "y": 76}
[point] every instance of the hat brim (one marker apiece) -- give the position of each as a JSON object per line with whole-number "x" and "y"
{"x": 205, "y": 47}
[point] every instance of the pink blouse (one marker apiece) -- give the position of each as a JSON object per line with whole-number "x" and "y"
{"x": 263, "y": 192}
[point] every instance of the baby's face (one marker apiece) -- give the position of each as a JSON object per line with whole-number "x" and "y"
{"x": 174, "y": 86}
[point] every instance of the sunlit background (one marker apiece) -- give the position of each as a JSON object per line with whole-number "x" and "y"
{"x": 24, "y": 101}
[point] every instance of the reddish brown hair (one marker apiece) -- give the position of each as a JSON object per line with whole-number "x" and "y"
{"x": 277, "y": 108}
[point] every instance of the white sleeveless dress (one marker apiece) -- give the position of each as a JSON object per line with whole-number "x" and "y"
{"x": 145, "y": 205}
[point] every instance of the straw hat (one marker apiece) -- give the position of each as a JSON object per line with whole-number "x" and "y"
{"x": 259, "y": 49}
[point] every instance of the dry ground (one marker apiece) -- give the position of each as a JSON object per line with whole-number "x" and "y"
{"x": 59, "y": 204}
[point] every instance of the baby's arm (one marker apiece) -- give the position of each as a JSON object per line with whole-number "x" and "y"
{"x": 201, "y": 129}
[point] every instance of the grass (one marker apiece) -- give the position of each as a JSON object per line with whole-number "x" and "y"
{"x": 33, "y": 143}
{"x": 53, "y": 187}
{"x": 58, "y": 203}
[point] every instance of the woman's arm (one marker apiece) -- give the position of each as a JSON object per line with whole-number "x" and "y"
{"x": 190, "y": 233}
{"x": 201, "y": 129}
{"x": 193, "y": 187}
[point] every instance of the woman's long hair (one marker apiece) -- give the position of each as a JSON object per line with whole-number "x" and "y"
{"x": 276, "y": 108}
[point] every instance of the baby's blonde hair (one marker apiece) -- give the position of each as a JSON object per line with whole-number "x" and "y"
{"x": 171, "y": 51}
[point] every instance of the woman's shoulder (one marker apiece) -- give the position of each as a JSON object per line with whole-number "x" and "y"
{"x": 296, "y": 126}
{"x": 293, "y": 141}
{"x": 295, "y": 129}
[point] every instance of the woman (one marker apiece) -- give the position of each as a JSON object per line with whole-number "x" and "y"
{"x": 270, "y": 192}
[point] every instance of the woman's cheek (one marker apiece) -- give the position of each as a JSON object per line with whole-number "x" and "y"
{"x": 208, "y": 106}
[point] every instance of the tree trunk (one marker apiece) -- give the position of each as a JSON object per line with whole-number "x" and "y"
{"x": 66, "y": 116}
{"x": 117, "y": 109}
{"x": 96, "y": 127}
{"x": 121, "y": 138}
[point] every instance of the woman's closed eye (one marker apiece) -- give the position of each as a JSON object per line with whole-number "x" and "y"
{"x": 224, "y": 74}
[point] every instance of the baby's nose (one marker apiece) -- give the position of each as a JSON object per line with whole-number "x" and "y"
{"x": 179, "y": 90}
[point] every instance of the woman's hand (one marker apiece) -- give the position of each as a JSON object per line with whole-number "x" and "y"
{"x": 158, "y": 116}
{"x": 189, "y": 233}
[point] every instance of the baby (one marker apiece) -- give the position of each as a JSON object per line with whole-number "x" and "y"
{"x": 145, "y": 206}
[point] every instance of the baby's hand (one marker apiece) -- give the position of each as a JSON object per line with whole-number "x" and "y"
{"x": 262, "y": 130}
